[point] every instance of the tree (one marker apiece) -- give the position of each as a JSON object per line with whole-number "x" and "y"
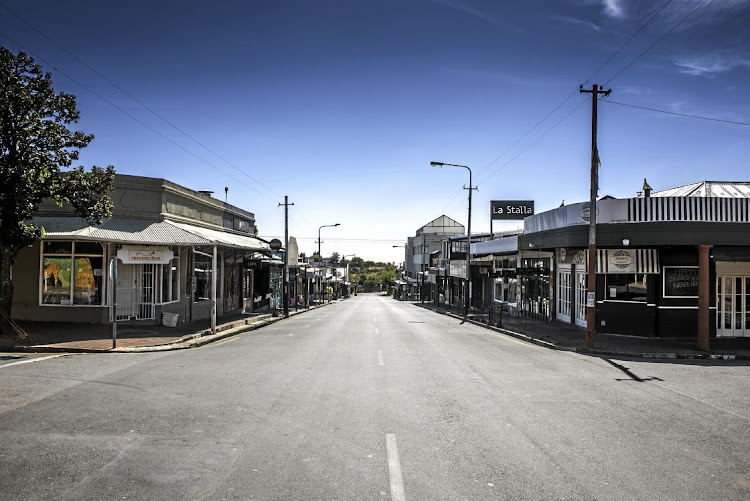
{"x": 35, "y": 145}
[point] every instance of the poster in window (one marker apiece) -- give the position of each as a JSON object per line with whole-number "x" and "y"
{"x": 680, "y": 281}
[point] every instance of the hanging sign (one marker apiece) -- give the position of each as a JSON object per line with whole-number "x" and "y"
{"x": 147, "y": 255}
{"x": 511, "y": 209}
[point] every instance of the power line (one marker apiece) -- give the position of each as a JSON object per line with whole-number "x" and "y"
{"x": 655, "y": 43}
{"x": 135, "y": 118}
{"x": 537, "y": 139}
{"x": 676, "y": 113}
{"x": 626, "y": 43}
{"x": 135, "y": 99}
{"x": 574, "y": 93}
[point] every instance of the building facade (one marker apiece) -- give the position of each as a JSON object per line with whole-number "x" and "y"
{"x": 166, "y": 249}
{"x": 667, "y": 263}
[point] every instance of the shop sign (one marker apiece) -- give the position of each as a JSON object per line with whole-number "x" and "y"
{"x": 680, "y": 281}
{"x": 511, "y": 209}
{"x": 621, "y": 261}
{"x": 144, "y": 255}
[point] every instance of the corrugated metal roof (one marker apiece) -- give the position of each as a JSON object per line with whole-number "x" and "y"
{"x": 144, "y": 231}
{"x": 120, "y": 230}
{"x": 720, "y": 189}
{"x": 223, "y": 238}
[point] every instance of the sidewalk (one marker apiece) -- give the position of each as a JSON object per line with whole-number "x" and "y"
{"x": 560, "y": 336}
{"x": 88, "y": 338}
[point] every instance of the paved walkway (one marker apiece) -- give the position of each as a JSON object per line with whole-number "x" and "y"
{"x": 76, "y": 337}
{"x": 563, "y": 336}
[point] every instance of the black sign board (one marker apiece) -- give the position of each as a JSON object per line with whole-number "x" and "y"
{"x": 275, "y": 244}
{"x": 511, "y": 209}
{"x": 680, "y": 282}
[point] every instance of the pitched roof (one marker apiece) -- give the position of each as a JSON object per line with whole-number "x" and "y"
{"x": 721, "y": 189}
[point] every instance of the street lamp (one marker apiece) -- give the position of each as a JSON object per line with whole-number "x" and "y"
{"x": 319, "y": 254}
{"x": 468, "y": 239}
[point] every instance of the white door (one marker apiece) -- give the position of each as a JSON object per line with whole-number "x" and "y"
{"x": 136, "y": 285}
{"x": 563, "y": 295}
{"x": 581, "y": 299}
{"x": 732, "y": 306}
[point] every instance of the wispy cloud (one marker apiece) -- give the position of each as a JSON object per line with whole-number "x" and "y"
{"x": 613, "y": 8}
{"x": 464, "y": 7}
{"x": 710, "y": 64}
{"x": 578, "y": 22}
{"x": 506, "y": 76}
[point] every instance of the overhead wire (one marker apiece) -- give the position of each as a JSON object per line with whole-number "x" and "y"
{"x": 614, "y": 54}
{"x": 37, "y": 57}
{"x": 113, "y": 84}
{"x": 735, "y": 122}
{"x": 657, "y": 41}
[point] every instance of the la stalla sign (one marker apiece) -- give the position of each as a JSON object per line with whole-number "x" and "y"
{"x": 511, "y": 209}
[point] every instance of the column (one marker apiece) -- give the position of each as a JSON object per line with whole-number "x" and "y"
{"x": 704, "y": 299}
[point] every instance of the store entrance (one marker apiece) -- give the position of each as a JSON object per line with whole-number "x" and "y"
{"x": 732, "y": 306}
{"x": 136, "y": 284}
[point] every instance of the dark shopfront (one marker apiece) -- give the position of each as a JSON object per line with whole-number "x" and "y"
{"x": 533, "y": 277}
{"x": 655, "y": 277}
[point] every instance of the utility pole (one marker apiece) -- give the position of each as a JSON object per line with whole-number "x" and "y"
{"x": 286, "y": 205}
{"x": 591, "y": 283}
{"x": 468, "y": 238}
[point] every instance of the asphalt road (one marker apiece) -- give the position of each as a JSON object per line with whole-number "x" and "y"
{"x": 371, "y": 399}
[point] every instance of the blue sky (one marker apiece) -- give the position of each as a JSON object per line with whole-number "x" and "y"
{"x": 341, "y": 105}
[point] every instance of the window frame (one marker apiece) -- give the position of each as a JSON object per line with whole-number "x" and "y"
{"x": 73, "y": 257}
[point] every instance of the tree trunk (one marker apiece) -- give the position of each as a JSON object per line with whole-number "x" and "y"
{"x": 7, "y": 257}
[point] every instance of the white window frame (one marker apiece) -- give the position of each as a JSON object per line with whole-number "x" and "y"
{"x": 72, "y": 256}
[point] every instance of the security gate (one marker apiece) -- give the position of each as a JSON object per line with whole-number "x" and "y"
{"x": 732, "y": 305}
{"x": 136, "y": 287}
{"x": 581, "y": 289}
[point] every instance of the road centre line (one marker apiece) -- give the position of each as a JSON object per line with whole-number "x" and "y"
{"x": 394, "y": 469}
{"x": 380, "y": 357}
{"x": 39, "y": 359}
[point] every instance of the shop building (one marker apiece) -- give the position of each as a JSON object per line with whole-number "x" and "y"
{"x": 652, "y": 252}
{"x": 174, "y": 251}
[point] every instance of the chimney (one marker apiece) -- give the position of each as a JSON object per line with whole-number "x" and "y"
{"x": 646, "y": 189}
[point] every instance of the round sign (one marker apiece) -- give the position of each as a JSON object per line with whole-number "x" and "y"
{"x": 275, "y": 244}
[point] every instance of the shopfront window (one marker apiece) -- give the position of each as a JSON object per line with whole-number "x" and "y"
{"x": 72, "y": 273}
{"x": 626, "y": 287}
{"x": 203, "y": 279}
{"x": 170, "y": 283}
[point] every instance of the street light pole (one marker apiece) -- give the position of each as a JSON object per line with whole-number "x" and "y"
{"x": 468, "y": 239}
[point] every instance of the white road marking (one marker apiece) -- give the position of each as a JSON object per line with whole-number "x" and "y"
{"x": 394, "y": 469}
{"x": 377, "y": 331}
{"x": 33, "y": 360}
{"x": 380, "y": 357}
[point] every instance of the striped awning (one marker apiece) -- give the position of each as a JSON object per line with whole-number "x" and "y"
{"x": 627, "y": 261}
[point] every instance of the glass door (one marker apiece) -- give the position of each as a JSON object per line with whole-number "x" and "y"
{"x": 563, "y": 295}
{"x": 732, "y": 306}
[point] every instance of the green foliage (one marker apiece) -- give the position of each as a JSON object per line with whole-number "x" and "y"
{"x": 35, "y": 144}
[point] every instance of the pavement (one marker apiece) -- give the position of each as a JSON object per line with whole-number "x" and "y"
{"x": 561, "y": 336}
{"x": 73, "y": 337}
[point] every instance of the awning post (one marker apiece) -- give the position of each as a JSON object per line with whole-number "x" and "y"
{"x": 213, "y": 293}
